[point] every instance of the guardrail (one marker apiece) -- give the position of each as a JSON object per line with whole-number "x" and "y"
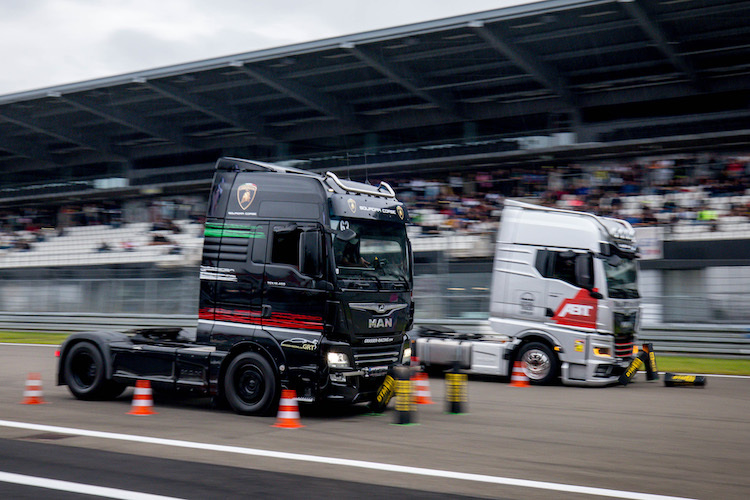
{"x": 717, "y": 340}
{"x": 81, "y": 322}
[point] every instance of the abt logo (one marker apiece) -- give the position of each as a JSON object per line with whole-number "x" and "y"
{"x": 575, "y": 310}
{"x": 579, "y": 311}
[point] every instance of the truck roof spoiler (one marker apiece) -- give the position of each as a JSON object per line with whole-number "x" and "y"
{"x": 242, "y": 165}
{"x": 363, "y": 188}
{"x": 616, "y": 228}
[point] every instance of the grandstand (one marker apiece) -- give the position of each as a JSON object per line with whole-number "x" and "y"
{"x": 572, "y": 102}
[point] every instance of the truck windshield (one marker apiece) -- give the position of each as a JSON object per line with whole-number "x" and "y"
{"x": 372, "y": 251}
{"x": 622, "y": 277}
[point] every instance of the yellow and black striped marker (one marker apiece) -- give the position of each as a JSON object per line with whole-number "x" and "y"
{"x": 456, "y": 392}
{"x": 405, "y": 407}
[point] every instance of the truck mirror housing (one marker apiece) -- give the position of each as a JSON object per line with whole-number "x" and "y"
{"x": 346, "y": 235}
{"x": 584, "y": 271}
{"x": 311, "y": 253}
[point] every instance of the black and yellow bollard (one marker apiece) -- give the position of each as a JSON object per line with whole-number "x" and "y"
{"x": 630, "y": 371}
{"x": 652, "y": 372}
{"x": 405, "y": 407}
{"x": 674, "y": 380}
{"x": 456, "y": 391}
{"x": 385, "y": 392}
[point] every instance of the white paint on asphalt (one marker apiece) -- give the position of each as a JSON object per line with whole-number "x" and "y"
{"x": 84, "y": 489}
{"x": 402, "y": 469}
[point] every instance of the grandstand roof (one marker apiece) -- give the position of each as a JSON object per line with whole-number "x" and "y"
{"x": 546, "y": 81}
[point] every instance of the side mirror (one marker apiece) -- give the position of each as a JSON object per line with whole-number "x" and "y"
{"x": 346, "y": 235}
{"x": 595, "y": 294}
{"x": 584, "y": 268}
{"x": 311, "y": 254}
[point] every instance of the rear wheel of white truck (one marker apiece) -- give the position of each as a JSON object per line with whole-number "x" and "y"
{"x": 250, "y": 385}
{"x": 541, "y": 364}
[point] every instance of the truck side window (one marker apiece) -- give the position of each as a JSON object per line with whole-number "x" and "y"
{"x": 562, "y": 266}
{"x": 285, "y": 248}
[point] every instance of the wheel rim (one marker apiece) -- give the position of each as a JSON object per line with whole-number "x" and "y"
{"x": 250, "y": 384}
{"x": 83, "y": 368}
{"x": 538, "y": 364}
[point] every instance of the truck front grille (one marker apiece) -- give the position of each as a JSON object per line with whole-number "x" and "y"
{"x": 375, "y": 356}
{"x": 624, "y": 347}
{"x": 625, "y": 326}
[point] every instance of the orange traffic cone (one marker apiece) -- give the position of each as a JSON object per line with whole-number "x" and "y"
{"x": 288, "y": 416}
{"x": 518, "y": 378}
{"x": 32, "y": 395}
{"x": 422, "y": 389}
{"x": 143, "y": 402}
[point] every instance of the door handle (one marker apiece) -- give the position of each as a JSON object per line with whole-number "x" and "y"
{"x": 265, "y": 311}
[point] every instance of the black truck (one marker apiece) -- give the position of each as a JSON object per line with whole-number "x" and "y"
{"x": 306, "y": 284}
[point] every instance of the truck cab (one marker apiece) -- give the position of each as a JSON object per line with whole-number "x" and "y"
{"x": 305, "y": 283}
{"x": 565, "y": 291}
{"x": 311, "y": 271}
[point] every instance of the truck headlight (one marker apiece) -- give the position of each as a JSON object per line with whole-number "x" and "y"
{"x": 337, "y": 360}
{"x": 603, "y": 352}
{"x": 406, "y": 357}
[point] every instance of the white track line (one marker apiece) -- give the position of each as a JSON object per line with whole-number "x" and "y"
{"x": 507, "y": 481}
{"x": 85, "y": 489}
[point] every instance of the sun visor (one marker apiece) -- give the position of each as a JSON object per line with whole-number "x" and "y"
{"x": 368, "y": 207}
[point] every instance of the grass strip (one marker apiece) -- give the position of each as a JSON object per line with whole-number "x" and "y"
{"x": 686, "y": 364}
{"x": 32, "y": 337}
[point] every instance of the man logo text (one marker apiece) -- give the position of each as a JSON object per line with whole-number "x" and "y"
{"x": 380, "y": 323}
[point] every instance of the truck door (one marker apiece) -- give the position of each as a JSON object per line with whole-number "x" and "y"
{"x": 571, "y": 277}
{"x": 239, "y": 278}
{"x": 293, "y": 300}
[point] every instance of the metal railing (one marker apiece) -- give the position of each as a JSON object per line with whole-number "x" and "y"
{"x": 710, "y": 340}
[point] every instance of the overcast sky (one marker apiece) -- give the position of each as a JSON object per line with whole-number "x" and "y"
{"x": 51, "y": 42}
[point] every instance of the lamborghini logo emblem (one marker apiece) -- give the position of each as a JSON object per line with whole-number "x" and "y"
{"x": 246, "y": 195}
{"x": 352, "y": 205}
{"x": 400, "y": 212}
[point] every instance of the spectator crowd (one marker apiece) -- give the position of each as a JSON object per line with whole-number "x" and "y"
{"x": 669, "y": 190}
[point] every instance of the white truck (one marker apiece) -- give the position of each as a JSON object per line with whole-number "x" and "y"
{"x": 564, "y": 300}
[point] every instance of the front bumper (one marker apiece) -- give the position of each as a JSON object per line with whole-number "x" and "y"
{"x": 594, "y": 373}
{"x": 354, "y": 386}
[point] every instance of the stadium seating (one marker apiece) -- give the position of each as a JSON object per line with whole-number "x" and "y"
{"x": 130, "y": 243}
{"x": 433, "y": 232}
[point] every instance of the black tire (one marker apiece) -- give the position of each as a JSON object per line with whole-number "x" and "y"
{"x": 250, "y": 385}
{"x": 84, "y": 371}
{"x": 542, "y": 365}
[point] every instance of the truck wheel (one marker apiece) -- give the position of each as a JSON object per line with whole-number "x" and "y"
{"x": 84, "y": 372}
{"x": 250, "y": 385}
{"x": 542, "y": 365}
